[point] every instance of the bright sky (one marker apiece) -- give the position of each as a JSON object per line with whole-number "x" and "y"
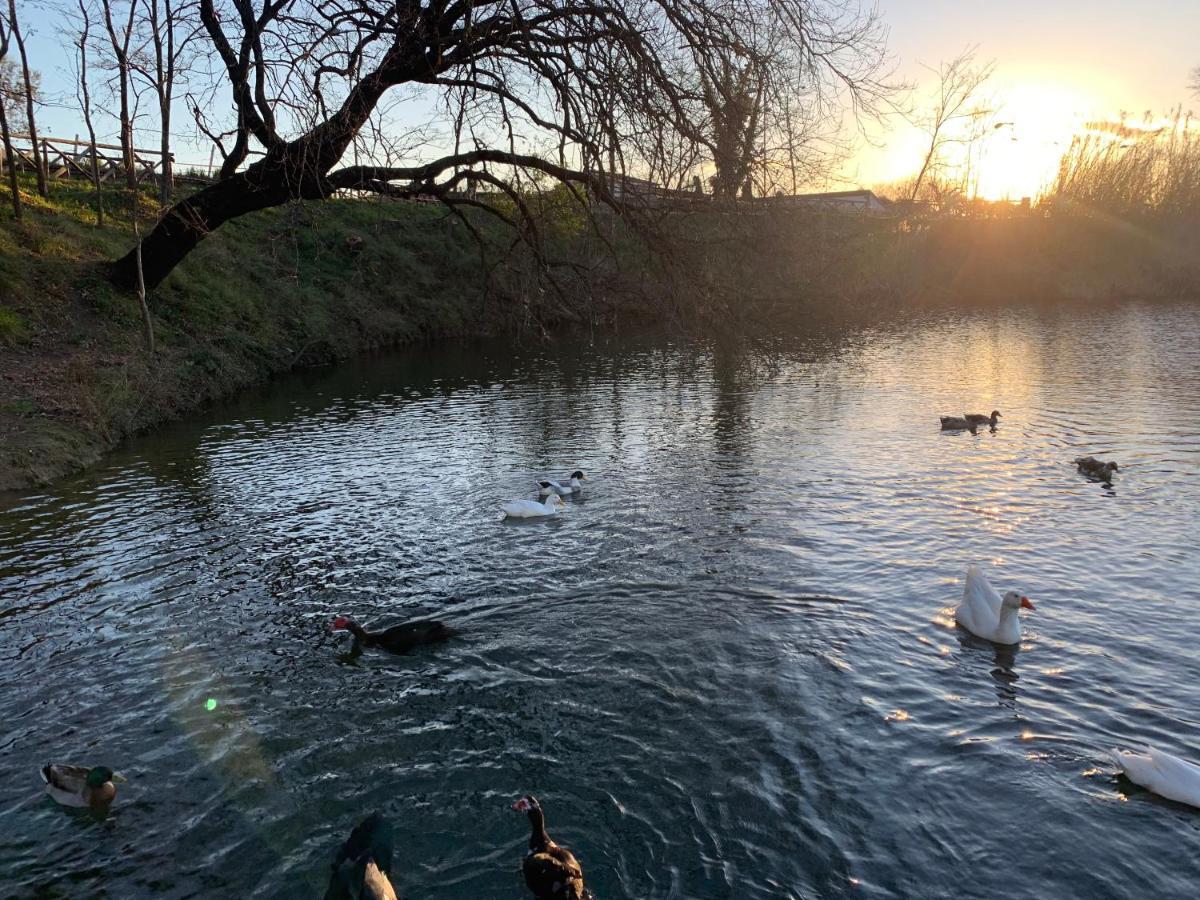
{"x": 1059, "y": 63}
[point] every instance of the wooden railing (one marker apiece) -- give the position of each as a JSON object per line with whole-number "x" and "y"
{"x": 66, "y": 158}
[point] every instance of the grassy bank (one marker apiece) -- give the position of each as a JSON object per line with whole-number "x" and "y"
{"x": 313, "y": 283}
{"x": 288, "y": 287}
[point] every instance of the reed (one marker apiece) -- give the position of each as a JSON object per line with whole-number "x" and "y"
{"x": 1138, "y": 170}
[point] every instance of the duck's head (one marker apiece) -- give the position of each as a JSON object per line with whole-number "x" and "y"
{"x": 98, "y": 776}
{"x": 578, "y": 474}
{"x": 1112, "y": 467}
{"x": 995, "y": 414}
{"x": 1015, "y": 600}
{"x": 341, "y": 623}
{"x": 527, "y": 804}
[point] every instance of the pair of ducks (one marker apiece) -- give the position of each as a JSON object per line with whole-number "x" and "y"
{"x": 363, "y": 865}
{"x": 986, "y": 614}
{"x": 970, "y": 422}
{"x": 553, "y": 491}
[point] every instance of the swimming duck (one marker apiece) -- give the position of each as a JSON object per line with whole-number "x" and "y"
{"x": 551, "y": 872}
{"x": 574, "y": 484}
{"x": 397, "y": 639}
{"x": 986, "y": 614}
{"x": 1164, "y": 774}
{"x": 981, "y": 419}
{"x": 362, "y": 865}
{"x": 80, "y": 786}
{"x": 954, "y": 423}
{"x": 531, "y": 509}
{"x": 1094, "y": 468}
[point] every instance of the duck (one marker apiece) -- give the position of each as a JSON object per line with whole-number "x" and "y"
{"x": 574, "y": 484}
{"x": 397, "y": 639}
{"x": 362, "y": 866}
{"x": 1094, "y": 468}
{"x": 986, "y": 614}
{"x": 551, "y": 872}
{"x": 980, "y": 419}
{"x": 80, "y": 786}
{"x": 954, "y": 423}
{"x": 1166, "y": 775}
{"x": 531, "y": 509}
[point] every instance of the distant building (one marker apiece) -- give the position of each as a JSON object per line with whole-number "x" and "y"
{"x": 863, "y": 202}
{"x": 627, "y": 189}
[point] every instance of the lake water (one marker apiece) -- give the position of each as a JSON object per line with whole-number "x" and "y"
{"x": 728, "y": 670}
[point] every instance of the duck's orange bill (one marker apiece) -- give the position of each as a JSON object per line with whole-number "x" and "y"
{"x": 1025, "y": 604}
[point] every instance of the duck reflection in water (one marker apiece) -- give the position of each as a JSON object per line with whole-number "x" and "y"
{"x": 1003, "y": 661}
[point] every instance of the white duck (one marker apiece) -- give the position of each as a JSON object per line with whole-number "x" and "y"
{"x": 573, "y": 485}
{"x": 986, "y": 614}
{"x": 1166, "y": 775}
{"x": 531, "y": 509}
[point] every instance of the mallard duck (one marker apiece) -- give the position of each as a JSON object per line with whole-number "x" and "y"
{"x": 531, "y": 509}
{"x": 1164, "y": 774}
{"x": 397, "y": 639}
{"x": 981, "y": 419}
{"x": 80, "y": 786}
{"x": 551, "y": 872}
{"x": 986, "y": 614}
{"x": 574, "y": 484}
{"x": 1094, "y": 468}
{"x": 954, "y": 423}
{"x": 363, "y": 864}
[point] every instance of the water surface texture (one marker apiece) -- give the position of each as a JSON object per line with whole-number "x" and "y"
{"x": 729, "y": 669}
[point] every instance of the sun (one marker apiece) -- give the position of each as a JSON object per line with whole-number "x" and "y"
{"x": 1034, "y": 124}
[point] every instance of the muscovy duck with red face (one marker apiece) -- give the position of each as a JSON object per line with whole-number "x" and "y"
{"x": 397, "y": 639}
{"x": 551, "y": 871}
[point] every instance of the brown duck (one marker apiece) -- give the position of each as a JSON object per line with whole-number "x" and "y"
{"x": 1094, "y": 468}
{"x": 551, "y": 872}
{"x": 978, "y": 419}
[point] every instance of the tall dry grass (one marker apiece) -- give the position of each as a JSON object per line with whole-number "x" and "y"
{"x": 1132, "y": 170}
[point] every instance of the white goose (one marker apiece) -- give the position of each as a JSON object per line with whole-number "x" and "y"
{"x": 986, "y": 614}
{"x": 531, "y": 509}
{"x": 572, "y": 485}
{"x": 1166, "y": 775}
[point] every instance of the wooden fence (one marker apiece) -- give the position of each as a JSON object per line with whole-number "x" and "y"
{"x": 66, "y": 158}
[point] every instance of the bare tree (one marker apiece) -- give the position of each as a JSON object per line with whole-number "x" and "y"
{"x": 9, "y": 157}
{"x": 171, "y": 27}
{"x": 559, "y": 87}
{"x": 120, "y": 38}
{"x": 956, "y": 114}
{"x": 38, "y": 163}
{"x": 85, "y": 104}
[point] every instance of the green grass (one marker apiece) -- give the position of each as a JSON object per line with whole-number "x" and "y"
{"x": 263, "y": 294}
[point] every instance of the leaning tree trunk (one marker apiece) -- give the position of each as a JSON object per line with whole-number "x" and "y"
{"x": 289, "y": 173}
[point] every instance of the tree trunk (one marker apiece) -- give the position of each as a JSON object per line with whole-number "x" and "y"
{"x": 86, "y": 103}
{"x": 127, "y": 155}
{"x": 291, "y": 171}
{"x": 281, "y": 176}
{"x": 11, "y": 162}
{"x": 38, "y": 162}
